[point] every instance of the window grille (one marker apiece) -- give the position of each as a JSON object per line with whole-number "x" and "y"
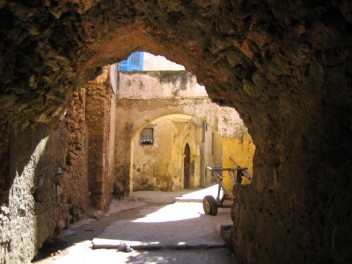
{"x": 147, "y": 136}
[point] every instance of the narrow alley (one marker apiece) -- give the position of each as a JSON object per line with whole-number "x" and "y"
{"x": 160, "y": 227}
{"x": 101, "y": 99}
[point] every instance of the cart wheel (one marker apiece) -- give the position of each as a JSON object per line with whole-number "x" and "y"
{"x": 209, "y": 205}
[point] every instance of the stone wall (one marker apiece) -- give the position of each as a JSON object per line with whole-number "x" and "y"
{"x": 49, "y": 169}
{"x": 50, "y": 188}
{"x": 72, "y": 181}
{"x": 100, "y": 119}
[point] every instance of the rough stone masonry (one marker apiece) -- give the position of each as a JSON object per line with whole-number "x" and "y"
{"x": 284, "y": 65}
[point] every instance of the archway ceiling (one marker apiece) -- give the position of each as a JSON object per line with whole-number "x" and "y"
{"x": 256, "y": 56}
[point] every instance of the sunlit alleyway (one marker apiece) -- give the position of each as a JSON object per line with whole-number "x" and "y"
{"x": 162, "y": 227}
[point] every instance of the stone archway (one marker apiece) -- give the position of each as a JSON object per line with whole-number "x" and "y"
{"x": 285, "y": 66}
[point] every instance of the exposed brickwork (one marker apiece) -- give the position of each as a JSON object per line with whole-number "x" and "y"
{"x": 72, "y": 183}
{"x": 98, "y": 111}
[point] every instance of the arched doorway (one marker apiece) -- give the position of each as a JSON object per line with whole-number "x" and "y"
{"x": 187, "y": 167}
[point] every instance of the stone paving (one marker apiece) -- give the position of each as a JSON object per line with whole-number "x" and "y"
{"x": 162, "y": 227}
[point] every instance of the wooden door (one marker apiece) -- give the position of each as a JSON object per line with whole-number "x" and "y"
{"x": 187, "y": 168}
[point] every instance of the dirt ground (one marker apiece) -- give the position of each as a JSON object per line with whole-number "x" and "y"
{"x": 160, "y": 227}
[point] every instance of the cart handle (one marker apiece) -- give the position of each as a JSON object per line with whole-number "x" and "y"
{"x": 228, "y": 169}
{"x": 214, "y": 173}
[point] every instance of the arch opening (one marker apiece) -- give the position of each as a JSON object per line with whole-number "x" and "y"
{"x": 161, "y": 165}
{"x": 149, "y": 95}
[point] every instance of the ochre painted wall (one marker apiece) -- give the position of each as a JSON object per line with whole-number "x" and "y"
{"x": 212, "y": 153}
{"x": 242, "y": 150}
{"x": 150, "y": 162}
{"x": 161, "y": 166}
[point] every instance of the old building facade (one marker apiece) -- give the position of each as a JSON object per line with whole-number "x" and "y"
{"x": 147, "y": 98}
{"x": 156, "y": 101}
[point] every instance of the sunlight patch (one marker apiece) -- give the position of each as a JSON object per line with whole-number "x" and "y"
{"x": 171, "y": 213}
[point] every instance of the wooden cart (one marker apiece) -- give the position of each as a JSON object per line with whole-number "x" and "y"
{"x": 211, "y": 204}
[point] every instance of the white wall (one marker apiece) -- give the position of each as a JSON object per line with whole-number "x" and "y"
{"x": 163, "y": 84}
{"x": 159, "y": 63}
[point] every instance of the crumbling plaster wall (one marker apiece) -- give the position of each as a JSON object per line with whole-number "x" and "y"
{"x": 160, "y": 166}
{"x": 284, "y": 65}
{"x": 180, "y": 93}
{"x": 185, "y": 133}
{"x": 159, "y": 63}
{"x": 151, "y": 162}
{"x": 159, "y": 84}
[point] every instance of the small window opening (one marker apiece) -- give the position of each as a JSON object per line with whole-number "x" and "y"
{"x": 147, "y": 136}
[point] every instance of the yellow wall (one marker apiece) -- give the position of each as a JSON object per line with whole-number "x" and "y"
{"x": 184, "y": 133}
{"x": 212, "y": 154}
{"x": 242, "y": 150}
{"x": 160, "y": 166}
{"x": 151, "y": 162}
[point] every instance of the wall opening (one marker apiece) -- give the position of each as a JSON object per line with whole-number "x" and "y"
{"x": 146, "y": 136}
{"x": 162, "y": 89}
{"x": 187, "y": 167}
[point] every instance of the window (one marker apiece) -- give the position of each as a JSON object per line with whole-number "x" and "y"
{"x": 146, "y": 137}
{"x": 133, "y": 63}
